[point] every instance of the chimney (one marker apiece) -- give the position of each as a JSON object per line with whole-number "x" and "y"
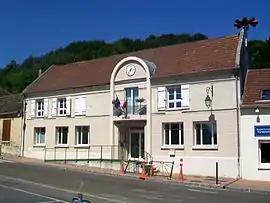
{"x": 39, "y": 72}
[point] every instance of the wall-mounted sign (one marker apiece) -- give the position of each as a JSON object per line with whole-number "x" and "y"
{"x": 262, "y": 131}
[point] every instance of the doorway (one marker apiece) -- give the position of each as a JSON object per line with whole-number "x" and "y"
{"x": 136, "y": 144}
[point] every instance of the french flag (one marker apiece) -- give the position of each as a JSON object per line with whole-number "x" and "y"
{"x": 124, "y": 105}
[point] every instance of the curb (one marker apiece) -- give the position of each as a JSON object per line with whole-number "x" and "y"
{"x": 247, "y": 190}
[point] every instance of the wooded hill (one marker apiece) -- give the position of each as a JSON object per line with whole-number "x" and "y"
{"x": 15, "y": 77}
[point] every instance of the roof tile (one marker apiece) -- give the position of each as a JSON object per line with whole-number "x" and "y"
{"x": 192, "y": 57}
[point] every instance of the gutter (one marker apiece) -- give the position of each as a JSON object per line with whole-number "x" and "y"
{"x": 23, "y": 126}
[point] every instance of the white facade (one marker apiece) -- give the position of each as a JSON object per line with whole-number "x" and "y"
{"x": 252, "y": 144}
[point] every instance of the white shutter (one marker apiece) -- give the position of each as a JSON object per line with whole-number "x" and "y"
{"x": 161, "y": 98}
{"x": 46, "y": 102}
{"x": 33, "y": 108}
{"x": 80, "y": 105}
{"x": 185, "y": 95}
{"x": 54, "y": 106}
{"x": 77, "y": 105}
{"x": 68, "y": 103}
{"x": 83, "y": 103}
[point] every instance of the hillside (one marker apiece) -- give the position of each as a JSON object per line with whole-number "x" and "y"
{"x": 15, "y": 77}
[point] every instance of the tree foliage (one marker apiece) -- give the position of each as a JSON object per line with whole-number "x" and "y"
{"x": 15, "y": 77}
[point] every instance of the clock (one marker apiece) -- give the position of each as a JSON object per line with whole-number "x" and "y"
{"x": 131, "y": 69}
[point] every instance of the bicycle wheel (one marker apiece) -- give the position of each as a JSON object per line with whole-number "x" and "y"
{"x": 75, "y": 200}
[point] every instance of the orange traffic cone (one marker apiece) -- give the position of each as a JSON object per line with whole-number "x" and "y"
{"x": 143, "y": 174}
{"x": 181, "y": 176}
{"x": 122, "y": 170}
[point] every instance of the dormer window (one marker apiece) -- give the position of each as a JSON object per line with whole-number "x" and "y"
{"x": 265, "y": 95}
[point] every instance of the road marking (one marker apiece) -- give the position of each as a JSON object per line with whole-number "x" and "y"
{"x": 5, "y": 161}
{"x": 203, "y": 191}
{"x": 31, "y": 193}
{"x": 61, "y": 189}
{"x": 48, "y": 202}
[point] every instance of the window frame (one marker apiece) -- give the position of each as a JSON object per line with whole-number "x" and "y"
{"x": 175, "y": 100}
{"x": 59, "y": 108}
{"x": 134, "y": 105}
{"x": 201, "y": 145}
{"x": 35, "y": 136}
{"x": 40, "y": 110}
{"x": 81, "y": 135}
{"x": 57, "y": 128}
{"x": 262, "y": 94}
{"x": 260, "y": 164}
{"x": 181, "y": 131}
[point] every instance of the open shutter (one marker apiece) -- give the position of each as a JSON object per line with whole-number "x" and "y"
{"x": 68, "y": 103}
{"x": 33, "y": 108}
{"x": 54, "y": 106}
{"x": 185, "y": 95}
{"x": 80, "y": 105}
{"x": 77, "y": 105}
{"x": 161, "y": 98}
{"x": 83, "y": 103}
{"x": 46, "y": 101}
{"x": 6, "y": 131}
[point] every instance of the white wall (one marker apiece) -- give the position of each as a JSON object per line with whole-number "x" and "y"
{"x": 250, "y": 145}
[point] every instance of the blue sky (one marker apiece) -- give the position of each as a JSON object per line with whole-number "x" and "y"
{"x": 34, "y": 27}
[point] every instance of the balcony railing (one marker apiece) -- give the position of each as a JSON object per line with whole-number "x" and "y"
{"x": 131, "y": 110}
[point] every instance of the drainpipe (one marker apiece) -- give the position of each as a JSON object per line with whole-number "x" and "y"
{"x": 23, "y": 126}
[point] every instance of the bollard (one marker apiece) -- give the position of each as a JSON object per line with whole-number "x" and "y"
{"x": 216, "y": 173}
{"x": 181, "y": 176}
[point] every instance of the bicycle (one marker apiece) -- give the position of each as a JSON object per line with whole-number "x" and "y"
{"x": 80, "y": 199}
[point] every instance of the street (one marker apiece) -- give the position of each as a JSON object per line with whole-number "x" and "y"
{"x": 33, "y": 183}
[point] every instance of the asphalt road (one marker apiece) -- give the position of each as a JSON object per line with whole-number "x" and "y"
{"x": 33, "y": 183}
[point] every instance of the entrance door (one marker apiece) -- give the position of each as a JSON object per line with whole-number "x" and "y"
{"x": 136, "y": 144}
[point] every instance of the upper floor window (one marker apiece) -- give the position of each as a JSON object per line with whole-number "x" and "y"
{"x": 40, "y": 107}
{"x": 173, "y": 97}
{"x": 265, "y": 95}
{"x": 132, "y": 94}
{"x": 62, "y": 106}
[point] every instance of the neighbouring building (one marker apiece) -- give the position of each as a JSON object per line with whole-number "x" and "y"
{"x": 10, "y": 123}
{"x": 163, "y": 104}
{"x": 255, "y": 126}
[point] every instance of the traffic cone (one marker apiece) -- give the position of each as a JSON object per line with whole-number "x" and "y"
{"x": 122, "y": 170}
{"x": 143, "y": 175}
{"x": 181, "y": 176}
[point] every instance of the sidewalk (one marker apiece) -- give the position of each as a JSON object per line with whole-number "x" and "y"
{"x": 199, "y": 181}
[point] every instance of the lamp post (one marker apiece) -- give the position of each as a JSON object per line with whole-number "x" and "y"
{"x": 209, "y": 97}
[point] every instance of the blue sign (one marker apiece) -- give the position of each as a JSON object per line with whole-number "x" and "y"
{"x": 262, "y": 130}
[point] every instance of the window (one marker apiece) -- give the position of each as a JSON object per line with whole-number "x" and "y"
{"x": 205, "y": 133}
{"x": 61, "y": 135}
{"x": 132, "y": 94}
{"x": 173, "y": 134}
{"x": 6, "y": 131}
{"x": 265, "y": 95}
{"x": 40, "y": 108}
{"x": 62, "y": 106}
{"x": 82, "y": 135}
{"x": 264, "y": 153}
{"x": 39, "y": 138}
{"x": 174, "y": 97}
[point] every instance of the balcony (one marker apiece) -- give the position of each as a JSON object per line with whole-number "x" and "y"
{"x": 131, "y": 112}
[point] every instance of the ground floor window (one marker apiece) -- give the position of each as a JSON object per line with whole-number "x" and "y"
{"x": 61, "y": 135}
{"x": 264, "y": 153}
{"x": 173, "y": 134}
{"x": 82, "y": 135}
{"x": 39, "y": 138}
{"x": 205, "y": 133}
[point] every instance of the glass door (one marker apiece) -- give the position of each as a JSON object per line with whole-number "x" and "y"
{"x": 136, "y": 145}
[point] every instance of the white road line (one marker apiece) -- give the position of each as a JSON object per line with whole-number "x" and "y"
{"x": 61, "y": 189}
{"x": 48, "y": 202}
{"x": 203, "y": 191}
{"x": 31, "y": 193}
{"x": 5, "y": 161}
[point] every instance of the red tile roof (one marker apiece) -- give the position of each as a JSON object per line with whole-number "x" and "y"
{"x": 256, "y": 81}
{"x": 206, "y": 55}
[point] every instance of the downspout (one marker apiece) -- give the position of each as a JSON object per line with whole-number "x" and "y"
{"x": 23, "y": 126}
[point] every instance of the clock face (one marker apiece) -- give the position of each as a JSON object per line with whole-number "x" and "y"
{"x": 131, "y": 69}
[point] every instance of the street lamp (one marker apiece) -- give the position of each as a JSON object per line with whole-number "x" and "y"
{"x": 209, "y": 96}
